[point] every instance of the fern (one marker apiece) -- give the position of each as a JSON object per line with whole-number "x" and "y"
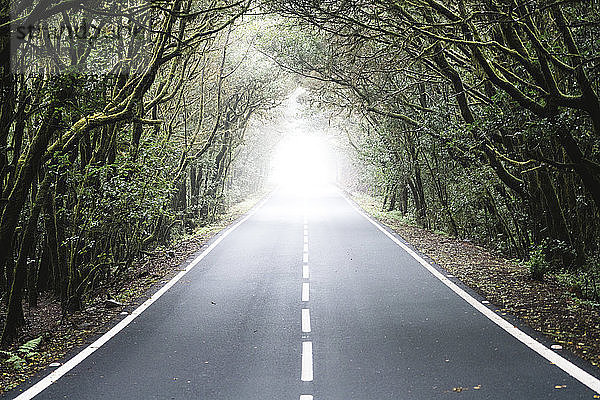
{"x": 6, "y": 354}
{"x": 17, "y": 360}
{"x": 27, "y": 349}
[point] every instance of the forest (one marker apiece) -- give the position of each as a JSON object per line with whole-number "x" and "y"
{"x": 125, "y": 125}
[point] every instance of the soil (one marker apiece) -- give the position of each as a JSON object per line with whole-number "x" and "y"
{"x": 546, "y": 306}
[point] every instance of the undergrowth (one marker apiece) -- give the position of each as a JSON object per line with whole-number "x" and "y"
{"x": 17, "y": 359}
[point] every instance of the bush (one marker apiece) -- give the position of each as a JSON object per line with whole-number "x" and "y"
{"x": 538, "y": 264}
{"x": 584, "y": 284}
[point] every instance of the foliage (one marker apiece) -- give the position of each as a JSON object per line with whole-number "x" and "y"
{"x": 477, "y": 119}
{"x": 27, "y": 350}
{"x": 584, "y": 284}
{"x": 537, "y": 263}
{"x": 119, "y": 135}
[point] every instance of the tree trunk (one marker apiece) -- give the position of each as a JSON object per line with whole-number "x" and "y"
{"x": 392, "y": 203}
{"x": 18, "y": 195}
{"x": 587, "y": 171}
{"x": 14, "y": 314}
{"x": 43, "y": 268}
{"x": 54, "y": 249}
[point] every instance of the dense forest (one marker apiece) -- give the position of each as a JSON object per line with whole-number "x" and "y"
{"x": 121, "y": 124}
{"x": 478, "y": 118}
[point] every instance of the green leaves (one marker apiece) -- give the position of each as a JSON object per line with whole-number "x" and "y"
{"x": 537, "y": 263}
{"x": 18, "y": 359}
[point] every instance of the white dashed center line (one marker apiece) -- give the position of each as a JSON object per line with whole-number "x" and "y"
{"x": 305, "y": 291}
{"x": 307, "y": 355}
{"x": 307, "y": 362}
{"x": 305, "y": 320}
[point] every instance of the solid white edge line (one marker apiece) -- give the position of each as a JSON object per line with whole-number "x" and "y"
{"x": 307, "y": 362}
{"x": 305, "y": 272}
{"x": 82, "y": 355}
{"x": 305, "y": 257}
{"x": 305, "y": 320}
{"x": 582, "y": 376}
{"x": 306, "y": 247}
{"x": 305, "y": 291}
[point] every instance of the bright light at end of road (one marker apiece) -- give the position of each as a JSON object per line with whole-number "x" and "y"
{"x": 305, "y": 161}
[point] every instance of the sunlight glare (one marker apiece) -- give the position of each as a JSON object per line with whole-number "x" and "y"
{"x": 303, "y": 161}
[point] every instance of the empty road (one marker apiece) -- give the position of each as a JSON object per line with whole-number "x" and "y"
{"x": 307, "y": 299}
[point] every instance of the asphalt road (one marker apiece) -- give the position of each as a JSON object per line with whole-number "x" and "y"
{"x": 308, "y": 300}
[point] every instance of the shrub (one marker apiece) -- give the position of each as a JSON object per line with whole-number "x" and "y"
{"x": 537, "y": 263}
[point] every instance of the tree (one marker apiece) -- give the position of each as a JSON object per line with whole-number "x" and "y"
{"x": 112, "y": 111}
{"x": 502, "y": 87}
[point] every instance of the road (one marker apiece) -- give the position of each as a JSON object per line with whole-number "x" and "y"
{"x": 307, "y": 299}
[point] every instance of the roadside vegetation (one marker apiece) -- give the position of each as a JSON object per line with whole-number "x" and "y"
{"x": 120, "y": 127}
{"x": 478, "y": 119}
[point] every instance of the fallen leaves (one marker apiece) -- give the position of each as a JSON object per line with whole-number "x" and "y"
{"x": 459, "y": 389}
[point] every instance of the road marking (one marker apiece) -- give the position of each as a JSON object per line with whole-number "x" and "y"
{"x": 305, "y": 320}
{"x": 82, "y": 355}
{"x": 305, "y": 291}
{"x": 306, "y": 397}
{"x": 307, "y": 362}
{"x": 582, "y": 376}
{"x": 307, "y": 358}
